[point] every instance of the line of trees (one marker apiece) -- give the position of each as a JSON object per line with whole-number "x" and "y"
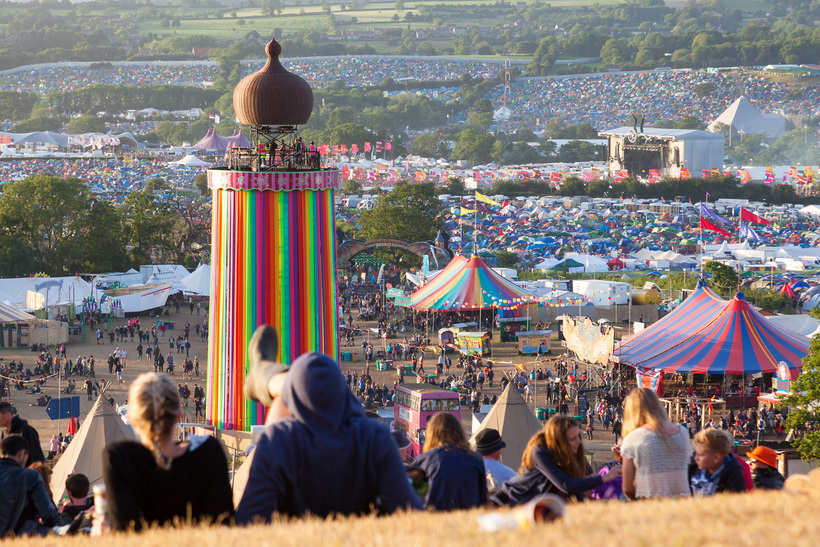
{"x": 53, "y": 225}
{"x": 717, "y": 186}
{"x": 118, "y": 98}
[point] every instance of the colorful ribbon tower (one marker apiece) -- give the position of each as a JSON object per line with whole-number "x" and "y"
{"x": 273, "y": 262}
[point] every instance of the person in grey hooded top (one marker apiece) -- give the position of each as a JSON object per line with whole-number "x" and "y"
{"x": 326, "y": 457}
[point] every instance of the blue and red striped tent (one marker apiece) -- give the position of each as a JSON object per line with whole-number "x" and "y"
{"x": 707, "y": 334}
{"x": 212, "y": 142}
{"x": 237, "y": 140}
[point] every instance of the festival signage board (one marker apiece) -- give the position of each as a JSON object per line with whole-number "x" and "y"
{"x": 591, "y": 342}
{"x": 66, "y": 407}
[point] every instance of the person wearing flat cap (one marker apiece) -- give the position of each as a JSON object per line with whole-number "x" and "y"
{"x": 488, "y": 443}
{"x": 765, "y": 476}
{"x": 319, "y": 452}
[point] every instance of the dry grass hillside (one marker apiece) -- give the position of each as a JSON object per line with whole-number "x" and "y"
{"x": 780, "y": 518}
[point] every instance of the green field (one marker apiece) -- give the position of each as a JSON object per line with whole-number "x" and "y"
{"x": 228, "y": 24}
{"x": 747, "y": 5}
{"x": 313, "y": 17}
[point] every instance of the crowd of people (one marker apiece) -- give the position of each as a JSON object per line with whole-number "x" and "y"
{"x": 321, "y": 72}
{"x": 367, "y": 71}
{"x": 601, "y": 99}
{"x": 606, "y": 100}
{"x": 322, "y": 453}
{"x": 68, "y": 77}
{"x": 34, "y": 379}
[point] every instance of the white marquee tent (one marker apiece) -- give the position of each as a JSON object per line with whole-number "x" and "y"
{"x": 198, "y": 283}
{"x": 190, "y": 161}
{"x": 746, "y": 118}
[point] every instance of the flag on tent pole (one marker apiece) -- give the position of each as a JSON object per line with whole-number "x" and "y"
{"x": 747, "y": 232}
{"x": 685, "y": 174}
{"x": 652, "y": 379}
{"x": 481, "y": 197}
{"x": 769, "y": 180}
{"x": 707, "y": 212}
{"x": 706, "y": 225}
{"x": 749, "y": 216}
{"x": 474, "y": 206}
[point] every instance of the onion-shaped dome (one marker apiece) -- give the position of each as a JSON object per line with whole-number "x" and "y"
{"x": 273, "y": 96}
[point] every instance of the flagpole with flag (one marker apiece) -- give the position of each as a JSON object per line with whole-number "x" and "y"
{"x": 749, "y": 216}
{"x": 484, "y": 199}
{"x": 475, "y": 224}
{"x": 701, "y": 234}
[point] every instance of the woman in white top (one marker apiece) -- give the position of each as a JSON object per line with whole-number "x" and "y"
{"x": 655, "y": 451}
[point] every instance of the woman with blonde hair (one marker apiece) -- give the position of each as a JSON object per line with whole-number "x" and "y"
{"x": 554, "y": 462}
{"x": 655, "y": 451}
{"x": 159, "y": 480}
{"x": 455, "y": 473}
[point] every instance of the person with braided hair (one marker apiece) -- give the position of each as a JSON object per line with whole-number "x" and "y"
{"x": 158, "y": 480}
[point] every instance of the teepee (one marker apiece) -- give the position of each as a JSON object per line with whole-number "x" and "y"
{"x": 516, "y": 423}
{"x": 84, "y": 454}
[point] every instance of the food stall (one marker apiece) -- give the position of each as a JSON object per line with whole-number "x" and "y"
{"x": 474, "y": 343}
{"x": 530, "y": 340}
{"x": 448, "y": 335}
{"x": 511, "y": 326}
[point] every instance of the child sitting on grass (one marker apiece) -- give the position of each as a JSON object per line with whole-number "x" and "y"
{"x": 713, "y": 469}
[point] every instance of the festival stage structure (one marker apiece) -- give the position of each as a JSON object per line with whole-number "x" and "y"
{"x": 273, "y": 242}
{"x": 667, "y": 151}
